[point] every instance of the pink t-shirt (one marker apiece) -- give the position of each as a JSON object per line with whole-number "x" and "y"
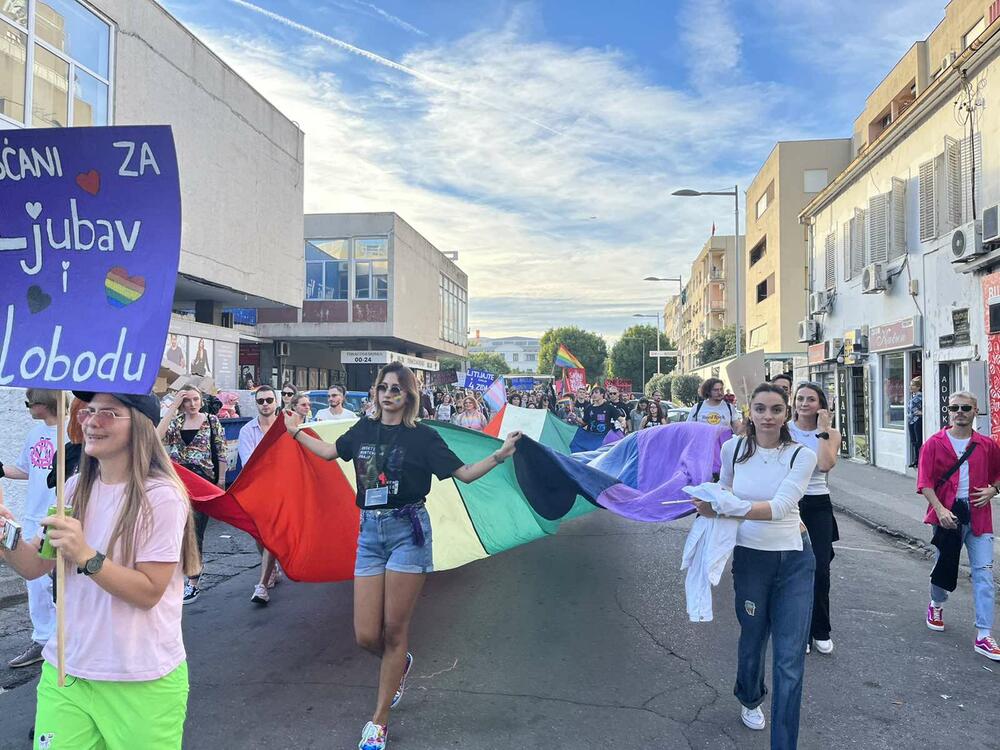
{"x": 106, "y": 637}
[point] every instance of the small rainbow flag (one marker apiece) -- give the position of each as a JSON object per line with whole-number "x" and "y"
{"x": 565, "y": 358}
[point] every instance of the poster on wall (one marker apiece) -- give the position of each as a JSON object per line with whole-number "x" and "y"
{"x": 991, "y": 293}
{"x": 87, "y": 307}
{"x": 248, "y": 377}
{"x": 324, "y": 379}
{"x": 226, "y": 354}
{"x": 313, "y": 378}
{"x": 287, "y": 376}
{"x": 175, "y": 353}
{"x": 301, "y": 378}
{"x": 200, "y": 355}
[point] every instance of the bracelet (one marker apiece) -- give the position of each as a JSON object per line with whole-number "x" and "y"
{"x": 295, "y": 437}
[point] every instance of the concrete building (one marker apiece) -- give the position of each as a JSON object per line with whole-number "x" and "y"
{"x": 375, "y": 291}
{"x": 904, "y": 246}
{"x": 774, "y": 266}
{"x": 519, "y": 352}
{"x": 127, "y": 62}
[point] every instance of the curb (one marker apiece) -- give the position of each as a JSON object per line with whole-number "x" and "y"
{"x": 913, "y": 544}
{"x": 11, "y": 600}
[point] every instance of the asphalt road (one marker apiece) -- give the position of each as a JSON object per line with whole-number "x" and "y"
{"x": 577, "y": 641}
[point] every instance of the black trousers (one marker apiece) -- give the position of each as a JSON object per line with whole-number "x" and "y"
{"x": 916, "y": 430}
{"x": 200, "y": 523}
{"x": 817, "y": 514}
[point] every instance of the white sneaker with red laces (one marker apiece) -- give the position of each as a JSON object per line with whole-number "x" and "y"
{"x": 935, "y": 617}
{"x": 988, "y": 647}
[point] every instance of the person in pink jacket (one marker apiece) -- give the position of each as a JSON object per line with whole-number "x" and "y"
{"x": 958, "y": 474}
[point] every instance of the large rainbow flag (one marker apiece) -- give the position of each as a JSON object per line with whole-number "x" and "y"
{"x": 302, "y": 508}
{"x": 565, "y": 358}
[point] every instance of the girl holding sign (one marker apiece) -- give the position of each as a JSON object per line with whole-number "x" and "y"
{"x": 394, "y": 457}
{"x": 127, "y": 542}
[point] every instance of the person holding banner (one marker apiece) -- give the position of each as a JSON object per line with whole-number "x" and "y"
{"x": 394, "y": 458}
{"x": 36, "y": 460}
{"x": 197, "y": 441}
{"x": 127, "y": 544}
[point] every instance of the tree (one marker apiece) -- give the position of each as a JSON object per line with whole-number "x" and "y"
{"x": 586, "y": 346}
{"x": 451, "y": 363}
{"x": 684, "y": 389}
{"x": 719, "y": 345}
{"x": 662, "y": 383}
{"x": 489, "y": 361}
{"x": 632, "y": 349}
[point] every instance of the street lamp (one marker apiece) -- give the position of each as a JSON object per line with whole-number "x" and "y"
{"x": 657, "y": 316}
{"x": 735, "y": 193}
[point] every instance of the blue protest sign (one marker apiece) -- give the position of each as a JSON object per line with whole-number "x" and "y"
{"x": 90, "y": 228}
{"x": 522, "y": 384}
{"x": 479, "y": 380}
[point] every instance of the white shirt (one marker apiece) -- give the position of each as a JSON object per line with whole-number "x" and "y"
{"x": 250, "y": 436}
{"x": 963, "y": 472}
{"x": 817, "y": 482}
{"x": 37, "y": 458}
{"x": 327, "y": 415}
{"x": 722, "y": 414}
{"x": 766, "y": 477}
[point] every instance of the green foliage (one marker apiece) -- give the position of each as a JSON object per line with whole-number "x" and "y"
{"x": 586, "y": 346}
{"x": 489, "y": 361}
{"x": 451, "y": 363}
{"x": 629, "y": 352}
{"x": 719, "y": 345}
{"x": 684, "y": 389}
{"x": 662, "y": 383}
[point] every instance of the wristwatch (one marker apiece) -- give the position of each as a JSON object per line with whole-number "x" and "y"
{"x": 823, "y": 435}
{"x": 93, "y": 565}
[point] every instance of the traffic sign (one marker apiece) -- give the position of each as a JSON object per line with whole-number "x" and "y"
{"x": 663, "y": 353}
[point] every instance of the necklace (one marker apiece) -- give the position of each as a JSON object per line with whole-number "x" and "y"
{"x": 767, "y": 454}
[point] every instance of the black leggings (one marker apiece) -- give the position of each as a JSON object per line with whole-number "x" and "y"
{"x": 817, "y": 514}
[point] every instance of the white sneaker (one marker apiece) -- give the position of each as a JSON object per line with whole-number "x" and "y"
{"x": 260, "y": 595}
{"x": 753, "y": 718}
{"x": 824, "y": 647}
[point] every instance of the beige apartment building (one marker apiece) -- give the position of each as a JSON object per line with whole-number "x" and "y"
{"x": 707, "y": 303}
{"x": 774, "y": 266}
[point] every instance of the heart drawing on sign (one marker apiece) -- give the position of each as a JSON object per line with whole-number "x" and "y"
{"x": 33, "y": 209}
{"x": 122, "y": 289}
{"x": 89, "y": 181}
{"x": 37, "y": 299}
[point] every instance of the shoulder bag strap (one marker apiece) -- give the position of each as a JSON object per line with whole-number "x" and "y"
{"x": 215, "y": 451}
{"x": 956, "y": 466}
{"x": 736, "y": 453}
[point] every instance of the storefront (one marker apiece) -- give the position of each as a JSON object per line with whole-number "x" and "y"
{"x": 363, "y": 366}
{"x": 898, "y": 349}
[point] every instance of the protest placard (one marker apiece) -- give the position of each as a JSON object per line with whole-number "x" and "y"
{"x": 576, "y": 378}
{"x": 522, "y": 384}
{"x": 478, "y": 380}
{"x": 90, "y": 224}
{"x": 745, "y": 373}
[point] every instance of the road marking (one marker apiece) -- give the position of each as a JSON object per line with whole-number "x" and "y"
{"x": 862, "y": 549}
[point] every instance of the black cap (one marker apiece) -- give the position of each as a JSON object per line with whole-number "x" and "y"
{"x": 148, "y": 405}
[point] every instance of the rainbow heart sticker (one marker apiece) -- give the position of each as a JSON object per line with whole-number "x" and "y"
{"x": 122, "y": 289}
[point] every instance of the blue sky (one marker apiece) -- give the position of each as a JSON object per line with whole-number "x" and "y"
{"x": 542, "y": 139}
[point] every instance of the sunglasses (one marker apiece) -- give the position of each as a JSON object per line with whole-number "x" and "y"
{"x": 959, "y": 407}
{"x": 266, "y": 400}
{"x": 395, "y": 390}
{"x": 288, "y": 393}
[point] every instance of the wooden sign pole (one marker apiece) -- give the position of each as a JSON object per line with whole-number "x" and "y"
{"x": 60, "y": 562}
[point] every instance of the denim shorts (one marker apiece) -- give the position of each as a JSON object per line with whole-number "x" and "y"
{"x": 386, "y": 542}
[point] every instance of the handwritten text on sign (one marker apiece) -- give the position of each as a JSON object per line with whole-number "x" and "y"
{"x": 90, "y": 222}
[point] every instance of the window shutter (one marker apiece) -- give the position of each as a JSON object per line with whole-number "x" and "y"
{"x": 897, "y": 221}
{"x": 831, "y": 260}
{"x": 858, "y": 241}
{"x": 846, "y": 242}
{"x": 953, "y": 183}
{"x": 927, "y": 205}
{"x": 878, "y": 228}
{"x": 971, "y": 148}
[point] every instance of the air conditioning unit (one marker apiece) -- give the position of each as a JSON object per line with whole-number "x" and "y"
{"x": 967, "y": 242}
{"x": 282, "y": 349}
{"x": 991, "y": 224}
{"x": 873, "y": 278}
{"x": 831, "y": 349}
{"x": 948, "y": 60}
{"x": 808, "y": 329}
{"x": 819, "y": 302}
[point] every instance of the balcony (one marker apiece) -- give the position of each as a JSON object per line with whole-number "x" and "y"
{"x": 716, "y": 274}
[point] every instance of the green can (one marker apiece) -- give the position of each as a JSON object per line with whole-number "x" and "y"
{"x": 47, "y": 551}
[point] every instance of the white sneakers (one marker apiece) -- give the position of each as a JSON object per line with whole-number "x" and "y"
{"x": 824, "y": 647}
{"x": 260, "y": 596}
{"x": 753, "y": 718}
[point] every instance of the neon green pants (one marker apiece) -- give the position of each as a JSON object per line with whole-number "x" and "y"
{"x": 98, "y": 715}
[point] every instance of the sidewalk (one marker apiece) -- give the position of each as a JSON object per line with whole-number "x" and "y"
{"x": 888, "y": 502}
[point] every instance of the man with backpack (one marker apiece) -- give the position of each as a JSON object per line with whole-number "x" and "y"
{"x": 713, "y": 408}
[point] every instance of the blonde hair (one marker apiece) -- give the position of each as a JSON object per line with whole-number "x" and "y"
{"x": 408, "y": 384}
{"x": 966, "y": 395}
{"x": 148, "y": 464}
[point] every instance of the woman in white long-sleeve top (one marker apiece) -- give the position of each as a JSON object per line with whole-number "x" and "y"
{"x": 773, "y": 562}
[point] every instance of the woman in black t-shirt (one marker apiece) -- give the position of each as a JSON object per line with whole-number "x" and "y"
{"x": 394, "y": 457}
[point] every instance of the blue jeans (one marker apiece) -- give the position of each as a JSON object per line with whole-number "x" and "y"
{"x": 774, "y": 598}
{"x": 980, "y": 549}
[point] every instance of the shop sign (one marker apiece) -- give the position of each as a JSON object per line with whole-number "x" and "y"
{"x": 900, "y": 334}
{"x": 991, "y": 290}
{"x": 384, "y": 357}
{"x": 960, "y": 327}
{"x": 816, "y": 353}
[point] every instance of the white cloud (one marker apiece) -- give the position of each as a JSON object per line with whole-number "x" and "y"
{"x": 712, "y": 39}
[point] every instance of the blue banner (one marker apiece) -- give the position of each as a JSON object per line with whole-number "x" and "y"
{"x": 522, "y": 384}
{"x": 479, "y": 380}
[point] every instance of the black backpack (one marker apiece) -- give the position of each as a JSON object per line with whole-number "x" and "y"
{"x": 698, "y": 409}
{"x": 210, "y": 404}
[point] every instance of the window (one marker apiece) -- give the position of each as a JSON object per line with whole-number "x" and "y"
{"x": 814, "y": 180}
{"x": 69, "y": 80}
{"x": 893, "y": 391}
{"x": 761, "y": 205}
{"x": 514, "y": 357}
{"x": 765, "y": 288}
{"x": 758, "y": 251}
{"x": 371, "y": 268}
{"x": 970, "y": 36}
{"x": 326, "y": 269}
{"x": 454, "y": 311}
{"x": 830, "y": 259}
